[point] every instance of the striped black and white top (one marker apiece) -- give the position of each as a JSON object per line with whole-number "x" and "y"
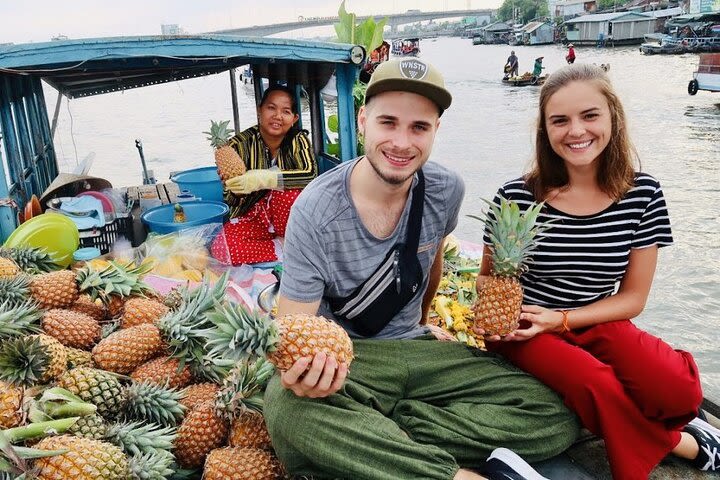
{"x": 581, "y": 259}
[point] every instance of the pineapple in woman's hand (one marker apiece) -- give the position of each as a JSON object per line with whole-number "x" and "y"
{"x": 512, "y": 235}
{"x": 227, "y": 159}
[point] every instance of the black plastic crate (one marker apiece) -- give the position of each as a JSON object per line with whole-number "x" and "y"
{"x": 104, "y": 237}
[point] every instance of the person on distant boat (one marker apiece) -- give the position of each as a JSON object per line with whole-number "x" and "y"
{"x": 511, "y": 66}
{"x": 364, "y": 248}
{"x": 570, "y": 57}
{"x": 280, "y": 162}
{"x": 538, "y": 67}
{"x": 591, "y": 273}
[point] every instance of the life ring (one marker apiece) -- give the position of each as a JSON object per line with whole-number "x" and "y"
{"x": 693, "y": 87}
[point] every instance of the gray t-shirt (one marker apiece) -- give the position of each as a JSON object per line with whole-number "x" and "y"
{"x": 328, "y": 251}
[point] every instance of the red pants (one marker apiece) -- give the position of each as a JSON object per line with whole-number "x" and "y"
{"x": 249, "y": 239}
{"x": 627, "y": 386}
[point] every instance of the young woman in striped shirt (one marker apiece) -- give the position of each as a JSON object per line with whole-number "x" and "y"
{"x": 627, "y": 386}
{"x": 280, "y": 162}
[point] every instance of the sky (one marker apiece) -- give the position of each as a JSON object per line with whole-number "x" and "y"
{"x": 40, "y": 20}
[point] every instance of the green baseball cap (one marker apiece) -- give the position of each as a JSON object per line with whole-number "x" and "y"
{"x": 409, "y": 75}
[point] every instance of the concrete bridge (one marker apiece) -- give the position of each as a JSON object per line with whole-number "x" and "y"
{"x": 394, "y": 20}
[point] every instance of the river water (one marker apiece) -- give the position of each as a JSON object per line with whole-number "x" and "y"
{"x": 486, "y": 135}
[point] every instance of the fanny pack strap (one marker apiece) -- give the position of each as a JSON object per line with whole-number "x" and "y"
{"x": 374, "y": 302}
{"x": 412, "y": 237}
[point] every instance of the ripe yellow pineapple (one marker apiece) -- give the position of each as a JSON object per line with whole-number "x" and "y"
{"x": 72, "y": 329}
{"x": 249, "y": 431}
{"x": 139, "y": 310}
{"x": 207, "y": 425}
{"x": 201, "y": 431}
{"x": 163, "y": 371}
{"x": 8, "y": 268}
{"x": 284, "y": 340}
{"x": 227, "y": 159}
{"x": 242, "y": 464}
{"x": 115, "y": 305}
{"x": 512, "y": 233}
{"x": 11, "y": 399}
{"x": 85, "y": 459}
{"x": 125, "y": 350}
{"x": 55, "y": 289}
{"x": 199, "y": 393}
{"x": 88, "y": 306}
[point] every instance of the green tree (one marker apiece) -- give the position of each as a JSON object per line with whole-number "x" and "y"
{"x": 525, "y": 10}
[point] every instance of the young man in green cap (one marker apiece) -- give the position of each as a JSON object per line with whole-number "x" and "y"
{"x": 363, "y": 247}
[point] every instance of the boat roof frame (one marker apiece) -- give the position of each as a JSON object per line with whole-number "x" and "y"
{"x": 87, "y": 67}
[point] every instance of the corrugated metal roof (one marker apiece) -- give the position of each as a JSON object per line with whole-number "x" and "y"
{"x": 608, "y": 17}
{"x": 497, "y": 26}
{"x": 667, "y": 12}
{"x": 532, "y": 26}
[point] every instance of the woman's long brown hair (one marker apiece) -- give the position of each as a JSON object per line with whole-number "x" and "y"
{"x": 616, "y": 172}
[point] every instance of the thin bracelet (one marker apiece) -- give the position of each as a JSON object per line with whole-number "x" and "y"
{"x": 565, "y": 326}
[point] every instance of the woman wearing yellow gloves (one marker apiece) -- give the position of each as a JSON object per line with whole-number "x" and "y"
{"x": 280, "y": 162}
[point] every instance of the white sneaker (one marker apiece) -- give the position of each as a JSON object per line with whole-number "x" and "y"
{"x": 504, "y": 464}
{"x": 703, "y": 425}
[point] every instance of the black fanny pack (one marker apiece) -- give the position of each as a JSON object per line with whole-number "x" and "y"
{"x": 371, "y": 306}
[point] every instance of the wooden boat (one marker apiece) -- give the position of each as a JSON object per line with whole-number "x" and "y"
{"x": 707, "y": 76}
{"x": 524, "y": 81}
{"x": 90, "y": 67}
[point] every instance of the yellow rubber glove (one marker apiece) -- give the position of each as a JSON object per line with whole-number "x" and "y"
{"x": 254, "y": 180}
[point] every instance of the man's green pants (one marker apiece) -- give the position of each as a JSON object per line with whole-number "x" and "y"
{"x": 413, "y": 409}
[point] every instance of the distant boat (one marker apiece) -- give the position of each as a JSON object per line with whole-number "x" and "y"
{"x": 406, "y": 47}
{"x": 524, "y": 80}
{"x": 248, "y": 81}
{"x": 707, "y": 76}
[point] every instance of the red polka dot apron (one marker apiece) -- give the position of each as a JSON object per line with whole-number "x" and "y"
{"x": 249, "y": 239}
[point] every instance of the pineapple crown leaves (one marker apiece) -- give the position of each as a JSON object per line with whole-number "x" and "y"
{"x": 154, "y": 403}
{"x": 114, "y": 279}
{"x": 212, "y": 368}
{"x": 23, "y": 360}
{"x": 238, "y": 332}
{"x": 19, "y": 318}
{"x": 30, "y": 259}
{"x": 152, "y": 466}
{"x": 219, "y": 133}
{"x": 243, "y": 386}
{"x": 185, "y": 329}
{"x": 139, "y": 438}
{"x": 14, "y": 289}
{"x": 512, "y": 234}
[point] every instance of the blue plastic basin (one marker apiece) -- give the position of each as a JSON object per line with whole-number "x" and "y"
{"x": 199, "y": 212}
{"x": 203, "y": 182}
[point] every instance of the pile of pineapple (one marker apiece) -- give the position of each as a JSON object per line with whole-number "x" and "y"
{"x": 452, "y": 305}
{"x": 119, "y": 382}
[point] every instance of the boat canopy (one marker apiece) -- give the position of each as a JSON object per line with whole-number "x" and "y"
{"x": 79, "y": 68}
{"x": 87, "y": 67}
